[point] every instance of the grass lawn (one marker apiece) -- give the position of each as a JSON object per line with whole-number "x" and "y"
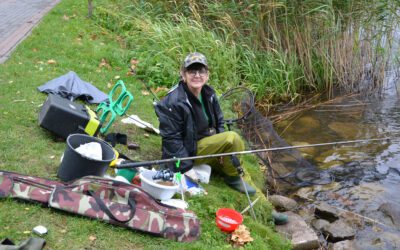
{"x": 67, "y": 41}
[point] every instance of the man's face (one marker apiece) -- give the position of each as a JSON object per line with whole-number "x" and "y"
{"x": 195, "y": 76}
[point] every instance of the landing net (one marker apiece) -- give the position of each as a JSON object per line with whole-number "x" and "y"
{"x": 287, "y": 169}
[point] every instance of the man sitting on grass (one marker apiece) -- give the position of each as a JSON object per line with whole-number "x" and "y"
{"x": 191, "y": 123}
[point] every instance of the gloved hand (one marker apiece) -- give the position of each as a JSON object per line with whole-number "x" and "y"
{"x": 236, "y": 164}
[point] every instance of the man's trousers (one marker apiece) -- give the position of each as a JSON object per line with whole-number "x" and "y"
{"x": 225, "y": 142}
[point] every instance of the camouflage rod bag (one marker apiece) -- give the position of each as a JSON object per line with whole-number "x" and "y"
{"x": 108, "y": 200}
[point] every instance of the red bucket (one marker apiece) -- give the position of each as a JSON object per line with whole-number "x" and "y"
{"x": 228, "y": 219}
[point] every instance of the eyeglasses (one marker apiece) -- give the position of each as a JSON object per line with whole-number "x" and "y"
{"x": 193, "y": 72}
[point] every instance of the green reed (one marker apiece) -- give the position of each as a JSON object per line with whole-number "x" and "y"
{"x": 280, "y": 49}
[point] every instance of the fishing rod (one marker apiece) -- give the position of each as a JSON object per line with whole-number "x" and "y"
{"x": 123, "y": 165}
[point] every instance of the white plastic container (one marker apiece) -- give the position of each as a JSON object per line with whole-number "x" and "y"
{"x": 203, "y": 172}
{"x": 157, "y": 191}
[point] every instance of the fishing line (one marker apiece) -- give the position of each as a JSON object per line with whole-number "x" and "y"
{"x": 163, "y": 161}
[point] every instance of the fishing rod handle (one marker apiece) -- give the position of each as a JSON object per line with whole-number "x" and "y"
{"x": 124, "y": 165}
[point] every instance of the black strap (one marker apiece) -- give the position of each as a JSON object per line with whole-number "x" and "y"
{"x": 32, "y": 183}
{"x": 104, "y": 208}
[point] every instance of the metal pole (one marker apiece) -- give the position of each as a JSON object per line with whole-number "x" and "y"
{"x": 158, "y": 162}
{"x": 248, "y": 198}
{"x": 236, "y": 164}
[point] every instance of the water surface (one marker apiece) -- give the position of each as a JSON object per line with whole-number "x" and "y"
{"x": 366, "y": 176}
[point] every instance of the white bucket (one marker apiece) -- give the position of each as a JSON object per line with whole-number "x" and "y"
{"x": 157, "y": 191}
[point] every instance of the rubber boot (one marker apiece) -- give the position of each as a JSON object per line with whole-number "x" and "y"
{"x": 279, "y": 218}
{"x": 236, "y": 183}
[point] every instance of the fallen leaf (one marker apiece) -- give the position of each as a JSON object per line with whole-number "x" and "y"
{"x": 27, "y": 208}
{"x": 146, "y": 135}
{"x": 26, "y": 232}
{"x": 6, "y": 228}
{"x": 145, "y": 92}
{"x": 109, "y": 85}
{"x": 65, "y": 17}
{"x": 34, "y": 49}
{"x": 130, "y": 73}
{"x": 104, "y": 63}
{"x": 117, "y": 77}
{"x": 240, "y": 236}
{"x": 52, "y": 156}
{"x": 51, "y": 61}
{"x": 92, "y": 238}
{"x": 134, "y": 61}
{"x": 132, "y": 68}
{"x": 10, "y": 81}
{"x": 93, "y": 37}
{"x": 63, "y": 231}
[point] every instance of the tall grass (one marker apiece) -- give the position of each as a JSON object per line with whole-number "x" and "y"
{"x": 280, "y": 49}
{"x": 161, "y": 45}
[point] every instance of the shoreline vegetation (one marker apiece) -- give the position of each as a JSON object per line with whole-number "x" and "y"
{"x": 284, "y": 51}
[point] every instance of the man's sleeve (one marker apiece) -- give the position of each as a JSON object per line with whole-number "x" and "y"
{"x": 172, "y": 126}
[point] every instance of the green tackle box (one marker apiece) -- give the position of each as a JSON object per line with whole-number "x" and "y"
{"x": 64, "y": 117}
